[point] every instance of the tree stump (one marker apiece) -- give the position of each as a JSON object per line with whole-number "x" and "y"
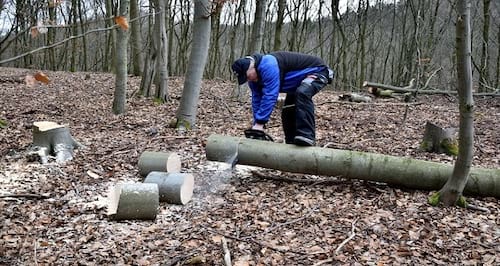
{"x": 440, "y": 140}
{"x": 133, "y": 202}
{"x": 176, "y": 188}
{"x": 159, "y": 161}
{"x": 50, "y": 138}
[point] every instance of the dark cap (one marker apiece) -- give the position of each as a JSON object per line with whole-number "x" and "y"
{"x": 240, "y": 68}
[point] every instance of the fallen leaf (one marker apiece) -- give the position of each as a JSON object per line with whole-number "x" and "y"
{"x": 42, "y": 77}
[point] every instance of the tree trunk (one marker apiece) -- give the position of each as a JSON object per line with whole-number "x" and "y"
{"x": 186, "y": 114}
{"x": 135, "y": 39}
{"x": 279, "y": 25}
{"x": 484, "y": 68}
{"x": 160, "y": 44}
{"x": 454, "y": 187}
{"x": 120, "y": 95}
{"x": 258, "y": 27}
{"x": 175, "y": 188}
{"x": 399, "y": 171}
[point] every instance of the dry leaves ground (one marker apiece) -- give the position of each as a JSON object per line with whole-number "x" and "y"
{"x": 265, "y": 222}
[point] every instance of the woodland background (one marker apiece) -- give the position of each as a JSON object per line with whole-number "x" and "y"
{"x": 388, "y": 42}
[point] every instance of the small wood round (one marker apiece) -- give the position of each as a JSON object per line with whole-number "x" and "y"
{"x": 176, "y": 188}
{"x": 133, "y": 202}
{"x": 159, "y": 161}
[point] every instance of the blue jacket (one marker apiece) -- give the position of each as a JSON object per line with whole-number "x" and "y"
{"x": 279, "y": 72}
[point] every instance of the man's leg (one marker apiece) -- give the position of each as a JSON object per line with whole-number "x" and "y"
{"x": 304, "y": 114}
{"x": 288, "y": 117}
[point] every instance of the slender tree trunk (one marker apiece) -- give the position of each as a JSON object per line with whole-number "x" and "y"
{"x": 81, "y": 13}
{"x": 452, "y": 190}
{"x": 258, "y": 27}
{"x": 279, "y": 25}
{"x": 161, "y": 49}
{"x": 497, "y": 82}
{"x": 51, "y": 37}
{"x": 109, "y": 55}
{"x": 135, "y": 39}
{"x": 120, "y": 96}
{"x": 186, "y": 114}
{"x": 485, "y": 68}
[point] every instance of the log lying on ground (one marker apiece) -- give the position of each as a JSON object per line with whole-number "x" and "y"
{"x": 398, "y": 171}
{"x": 176, "y": 188}
{"x": 50, "y": 138}
{"x": 133, "y": 202}
{"x": 411, "y": 89}
{"x": 159, "y": 161}
{"x": 354, "y": 97}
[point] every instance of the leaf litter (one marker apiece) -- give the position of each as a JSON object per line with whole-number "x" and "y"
{"x": 265, "y": 221}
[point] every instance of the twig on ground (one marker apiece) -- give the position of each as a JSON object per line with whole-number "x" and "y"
{"x": 254, "y": 242}
{"x": 322, "y": 262}
{"x": 227, "y": 254}
{"x": 477, "y": 208}
{"x": 351, "y": 236}
{"x": 25, "y": 195}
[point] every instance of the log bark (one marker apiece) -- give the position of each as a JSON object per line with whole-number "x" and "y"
{"x": 176, "y": 188}
{"x": 411, "y": 89}
{"x": 133, "y": 202}
{"x": 398, "y": 171}
{"x": 159, "y": 161}
{"x": 50, "y": 138}
{"x": 354, "y": 97}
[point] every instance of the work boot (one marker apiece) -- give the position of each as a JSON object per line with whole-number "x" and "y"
{"x": 303, "y": 141}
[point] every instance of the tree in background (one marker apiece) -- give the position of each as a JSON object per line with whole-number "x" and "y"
{"x": 186, "y": 114}
{"x": 120, "y": 96}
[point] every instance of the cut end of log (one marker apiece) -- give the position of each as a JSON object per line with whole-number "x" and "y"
{"x": 114, "y": 199}
{"x": 176, "y": 188}
{"x": 187, "y": 189}
{"x": 173, "y": 163}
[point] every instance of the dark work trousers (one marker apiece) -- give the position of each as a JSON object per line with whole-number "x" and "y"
{"x": 297, "y": 115}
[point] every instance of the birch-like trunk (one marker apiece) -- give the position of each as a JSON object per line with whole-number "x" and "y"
{"x": 454, "y": 187}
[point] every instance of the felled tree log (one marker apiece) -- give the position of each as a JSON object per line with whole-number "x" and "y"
{"x": 176, "y": 188}
{"x": 399, "y": 171}
{"x": 133, "y": 202}
{"x": 159, "y": 161}
{"x": 50, "y": 138}
{"x": 354, "y": 97}
{"x": 440, "y": 140}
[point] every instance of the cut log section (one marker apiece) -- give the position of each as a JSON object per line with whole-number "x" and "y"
{"x": 176, "y": 188}
{"x": 399, "y": 171}
{"x": 133, "y": 202}
{"x": 440, "y": 140}
{"x": 50, "y": 138}
{"x": 159, "y": 161}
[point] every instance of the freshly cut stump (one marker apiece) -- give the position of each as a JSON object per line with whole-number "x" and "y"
{"x": 159, "y": 161}
{"x": 176, "y": 188}
{"x": 133, "y": 202}
{"x": 50, "y": 138}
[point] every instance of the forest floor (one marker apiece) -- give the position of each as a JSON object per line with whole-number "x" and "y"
{"x": 266, "y": 222}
